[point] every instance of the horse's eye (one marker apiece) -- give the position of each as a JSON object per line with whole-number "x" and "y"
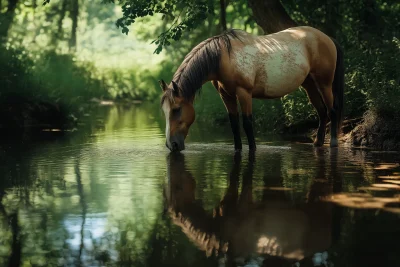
{"x": 176, "y": 110}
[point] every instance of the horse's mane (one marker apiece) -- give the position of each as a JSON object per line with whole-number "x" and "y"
{"x": 199, "y": 63}
{"x": 200, "y": 234}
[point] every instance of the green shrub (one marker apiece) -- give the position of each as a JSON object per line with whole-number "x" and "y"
{"x": 48, "y": 77}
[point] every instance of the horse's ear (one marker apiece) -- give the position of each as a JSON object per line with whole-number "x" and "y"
{"x": 175, "y": 87}
{"x": 163, "y": 85}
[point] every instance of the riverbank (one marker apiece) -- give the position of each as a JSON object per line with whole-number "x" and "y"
{"x": 377, "y": 131}
{"x": 26, "y": 118}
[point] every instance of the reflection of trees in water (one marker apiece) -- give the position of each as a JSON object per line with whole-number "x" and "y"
{"x": 46, "y": 192}
{"x": 14, "y": 181}
{"x": 42, "y": 192}
{"x": 22, "y": 194}
{"x": 16, "y": 247}
{"x": 84, "y": 210}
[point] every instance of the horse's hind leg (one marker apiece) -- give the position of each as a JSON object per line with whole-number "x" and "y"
{"x": 316, "y": 100}
{"x": 325, "y": 88}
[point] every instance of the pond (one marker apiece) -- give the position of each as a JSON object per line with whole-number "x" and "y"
{"x": 110, "y": 194}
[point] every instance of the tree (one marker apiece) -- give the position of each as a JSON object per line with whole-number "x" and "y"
{"x": 271, "y": 15}
{"x": 7, "y": 18}
{"x": 223, "y": 14}
{"x": 186, "y": 16}
{"x": 74, "y": 16}
{"x": 63, "y": 11}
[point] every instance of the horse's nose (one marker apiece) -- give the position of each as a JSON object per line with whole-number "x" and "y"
{"x": 174, "y": 146}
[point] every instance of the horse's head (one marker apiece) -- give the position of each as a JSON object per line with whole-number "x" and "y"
{"x": 179, "y": 116}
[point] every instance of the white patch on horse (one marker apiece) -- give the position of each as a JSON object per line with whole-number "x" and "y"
{"x": 166, "y": 108}
{"x": 245, "y": 60}
{"x": 286, "y": 68}
{"x": 274, "y": 65}
{"x": 281, "y": 67}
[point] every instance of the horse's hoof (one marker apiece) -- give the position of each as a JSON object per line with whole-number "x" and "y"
{"x": 318, "y": 143}
{"x": 334, "y": 143}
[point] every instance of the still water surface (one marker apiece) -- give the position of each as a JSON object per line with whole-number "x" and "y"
{"x": 111, "y": 194}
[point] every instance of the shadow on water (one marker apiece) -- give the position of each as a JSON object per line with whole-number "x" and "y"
{"x": 112, "y": 195}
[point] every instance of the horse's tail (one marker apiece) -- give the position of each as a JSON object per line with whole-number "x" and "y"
{"x": 338, "y": 86}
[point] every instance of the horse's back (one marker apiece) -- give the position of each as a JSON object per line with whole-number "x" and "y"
{"x": 321, "y": 50}
{"x": 276, "y": 64}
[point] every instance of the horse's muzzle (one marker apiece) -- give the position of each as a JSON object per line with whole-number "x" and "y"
{"x": 176, "y": 145}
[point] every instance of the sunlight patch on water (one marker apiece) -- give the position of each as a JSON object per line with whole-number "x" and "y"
{"x": 388, "y": 186}
{"x": 274, "y": 188}
{"x": 389, "y": 176}
{"x": 364, "y": 201}
{"x": 228, "y": 147}
{"x": 392, "y": 181}
{"x": 371, "y": 188}
{"x": 386, "y": 166}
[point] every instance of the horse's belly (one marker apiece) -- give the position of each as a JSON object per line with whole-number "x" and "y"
{"x": 281, "y": 73}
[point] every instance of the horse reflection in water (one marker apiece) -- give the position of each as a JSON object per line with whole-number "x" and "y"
{"x": 274, "y": 229}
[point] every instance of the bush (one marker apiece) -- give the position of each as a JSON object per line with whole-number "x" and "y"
{"x": 48, "y": 77}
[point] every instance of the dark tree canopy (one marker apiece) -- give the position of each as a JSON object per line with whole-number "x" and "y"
{"x": 185, "y": 16}
{"x": 188, "y": 15}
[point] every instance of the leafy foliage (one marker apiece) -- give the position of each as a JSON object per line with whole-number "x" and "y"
{"x": 185, "y": 16}
{"x": 51, "y": 77}
{"x": 367, "y": 30}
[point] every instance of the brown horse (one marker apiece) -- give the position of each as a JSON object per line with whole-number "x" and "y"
{"x": 242, "y": 66}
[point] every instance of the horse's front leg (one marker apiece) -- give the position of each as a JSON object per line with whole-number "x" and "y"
{"x": 246, "y": 102}
{"x": 231, "y": 107}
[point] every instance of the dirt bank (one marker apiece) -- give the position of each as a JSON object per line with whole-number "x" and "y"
{"x": 376, "y": 131}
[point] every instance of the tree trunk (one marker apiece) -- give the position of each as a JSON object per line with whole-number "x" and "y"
{"x": 223, "y": 14}
{"x": 331, "y": 19}
{"x": 6, "y": 19}
{"x": 372, "y": 24}
{"x": 270, "y": 15}
{"x": 74, "y": 17}
{"x": 83, "y": 203}
{"x": 12, "y": 4}
{"x": 59, "y": 33}
{"x": 16, "y": 248}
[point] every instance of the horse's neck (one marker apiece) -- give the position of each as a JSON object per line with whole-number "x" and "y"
{"x": 183, "y": 75}
{"x": 182, "y": 83}
{"x": 195, "y": 71}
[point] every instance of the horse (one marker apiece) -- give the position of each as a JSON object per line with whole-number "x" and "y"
{"x": 242, "y": 66}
